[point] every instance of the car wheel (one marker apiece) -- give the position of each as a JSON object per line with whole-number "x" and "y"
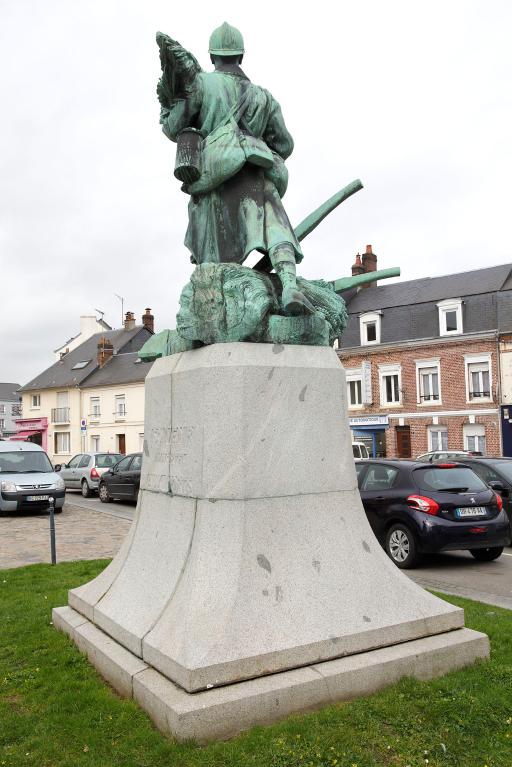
{"x": 58, "y": 511}
{"x": 86, "y": 490}
{"x": 104, "y": 494}
{"x": 401, "y": 547}
{"x": 487, "y": 555}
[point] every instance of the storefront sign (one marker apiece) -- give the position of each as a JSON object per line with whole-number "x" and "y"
{"x": 369, "y": 420}
{"x": 36, "y": 424}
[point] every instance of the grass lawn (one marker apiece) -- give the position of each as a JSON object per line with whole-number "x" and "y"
{"x": 56, "y": 711}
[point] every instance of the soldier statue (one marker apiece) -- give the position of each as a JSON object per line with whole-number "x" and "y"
{"x": 232, "y": 144}
{"x": 244, "y": 212}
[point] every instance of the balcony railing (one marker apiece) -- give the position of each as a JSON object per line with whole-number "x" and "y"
{"x": 120, "y": 413}
{"x": 60, "y": 415}
{"x": 479, "y": 394}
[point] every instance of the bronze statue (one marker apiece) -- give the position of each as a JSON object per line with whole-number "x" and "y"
{"x": 232, "y": 143}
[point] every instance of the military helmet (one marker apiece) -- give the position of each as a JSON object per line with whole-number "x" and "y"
{"x": 226, "y": 41}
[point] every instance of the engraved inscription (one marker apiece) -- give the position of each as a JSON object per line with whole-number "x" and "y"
{"x": 185, "y": 460}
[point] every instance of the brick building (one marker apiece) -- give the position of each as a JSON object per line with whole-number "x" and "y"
{"x": 425, "y": 362}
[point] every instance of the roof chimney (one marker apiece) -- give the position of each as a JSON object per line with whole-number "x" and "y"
{"x": 129, "y": 321}
{"x": 357, "y": 267}
{"x": 105, "y": 351}
{"x": 148, "y": 320}
{"x": 369, "y": 264}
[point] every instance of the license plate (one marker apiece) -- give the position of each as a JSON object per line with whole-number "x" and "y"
{"x": 471, "y": 511}
{"x": 38, "y": 497}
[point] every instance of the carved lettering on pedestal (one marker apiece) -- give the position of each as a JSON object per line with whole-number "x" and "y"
{"x": 185, "y": 460}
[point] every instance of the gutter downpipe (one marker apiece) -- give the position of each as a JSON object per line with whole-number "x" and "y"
{"x": 498, "y": 389}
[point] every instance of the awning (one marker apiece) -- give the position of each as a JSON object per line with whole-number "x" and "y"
{"x": 24, "y": 435}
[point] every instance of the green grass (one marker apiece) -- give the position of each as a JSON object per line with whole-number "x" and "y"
{"x": 56, "y": 711}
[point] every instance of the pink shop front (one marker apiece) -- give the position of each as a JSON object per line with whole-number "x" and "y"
{"x": 32, "y": 430}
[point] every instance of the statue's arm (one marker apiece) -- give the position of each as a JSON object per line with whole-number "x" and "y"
{"x": 276, "y": 134}
{"x": 181, "y": 113}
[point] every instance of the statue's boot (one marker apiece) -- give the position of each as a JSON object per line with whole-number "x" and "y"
{"x": 294, "y": 301}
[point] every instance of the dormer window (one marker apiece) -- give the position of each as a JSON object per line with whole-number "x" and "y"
{"x": 369, "y": 325}
{"x": 450, "y": 317}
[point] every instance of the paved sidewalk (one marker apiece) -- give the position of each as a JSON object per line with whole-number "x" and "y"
{"x": 80, "y": 534}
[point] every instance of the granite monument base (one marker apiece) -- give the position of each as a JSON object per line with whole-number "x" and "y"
{"x": 250, "y": 584}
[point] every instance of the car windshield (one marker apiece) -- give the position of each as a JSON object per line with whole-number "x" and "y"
{"x": 456, "y": 479}
{"x": 106, "y": 460}
{"x": 24, "y": 462}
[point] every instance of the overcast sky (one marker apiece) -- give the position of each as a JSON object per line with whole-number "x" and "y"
{"x": 413, "y": 98}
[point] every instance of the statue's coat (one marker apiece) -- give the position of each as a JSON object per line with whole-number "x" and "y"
{"x": 245, "y": 213}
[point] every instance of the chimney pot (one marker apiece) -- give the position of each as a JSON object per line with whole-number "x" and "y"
{"x": 105, "y": 351}
{"x": 369, "y": 264}
{"x": 357, "y": 267}
{"x": 148, "y": 320}
{"x": 129, "y": 321}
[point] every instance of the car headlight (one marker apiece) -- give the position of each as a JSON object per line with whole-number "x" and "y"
{"x": 8, "y": 487}
{"x": 59, "y": 484}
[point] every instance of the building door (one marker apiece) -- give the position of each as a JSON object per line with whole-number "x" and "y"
{"x": 121, "y": 444}
{"x": 506, "y": 430}
{"x": 403, "y": 441}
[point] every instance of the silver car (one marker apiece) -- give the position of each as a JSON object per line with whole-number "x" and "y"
{"x": 445, "y": 455}
{"x": 84, "y": 470}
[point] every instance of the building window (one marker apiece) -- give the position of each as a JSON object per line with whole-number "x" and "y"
{"x": 16, "y": 409}
{"x": 95, "y": 443}
{"x": 474, "y": 437}
{"x": 438, "y": 438}
{"x": 354, "y": 393}
{"x": 390, "y": 384}
{"x": 2, "y": 424}
{"x": 2, "y": 408}
{"x": 95, "y": 407}
{"x": 478, "y": 378}
{"x": 120, "y": 406}
{"x": 62, "y": 442}
{"x": 428, "y": 382}
{"x": 354, "y": 387}
{"x": 36, "y": 400}
{"x": 450, "y": 317}
{"x": 369, "y": 325}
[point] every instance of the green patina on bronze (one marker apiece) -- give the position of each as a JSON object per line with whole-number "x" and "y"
{"x": 232, "y": 144}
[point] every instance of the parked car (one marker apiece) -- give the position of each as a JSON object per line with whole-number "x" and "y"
{"x": 497, "y": 473}
{"x": 122, "y": 480}
{"x": 416, "y": 508}
{"x": 360, "y": 450}
{"x": 83, "y": 472}
{"x": 446, "y": 455}
{"x": 27, "y": 479}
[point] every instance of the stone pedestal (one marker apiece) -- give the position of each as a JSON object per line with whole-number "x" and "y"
{"x": 251, "y": 584}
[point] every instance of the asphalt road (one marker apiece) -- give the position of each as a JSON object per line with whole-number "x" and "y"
{"x": 458, "y": 573}
{"x": 455, "y": 573}
{"x": 124, "y": 510}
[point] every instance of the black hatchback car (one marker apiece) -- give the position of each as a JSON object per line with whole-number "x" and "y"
{"x": 415, "y": 508}
{"x": 497, "y": 473}
{"x": 122, "y": 480}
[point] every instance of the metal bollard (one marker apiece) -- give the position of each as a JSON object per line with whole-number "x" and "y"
{"x": 52, "y": 531}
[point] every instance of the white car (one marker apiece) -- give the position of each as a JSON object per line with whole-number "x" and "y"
{"x": 360, "y": 450}
{"x": 27, "y": 479}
